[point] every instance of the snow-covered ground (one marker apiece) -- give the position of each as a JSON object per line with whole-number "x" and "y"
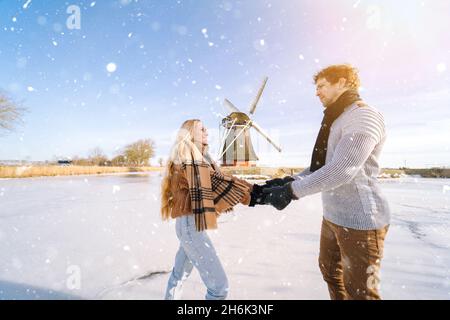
{"x": 100, "y": 237}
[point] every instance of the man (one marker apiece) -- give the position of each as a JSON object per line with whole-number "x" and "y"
{"x": 344, "y": 167}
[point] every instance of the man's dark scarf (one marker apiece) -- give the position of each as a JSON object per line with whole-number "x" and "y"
{"x": 331, "y": 113}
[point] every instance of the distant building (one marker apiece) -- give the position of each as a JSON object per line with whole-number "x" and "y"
{"x": 64, "y": 162}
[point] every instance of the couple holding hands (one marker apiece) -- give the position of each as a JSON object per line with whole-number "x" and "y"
{"x": 344, "y": 168}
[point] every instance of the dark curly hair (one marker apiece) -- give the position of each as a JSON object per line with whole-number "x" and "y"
{"x": 334, "y": 72}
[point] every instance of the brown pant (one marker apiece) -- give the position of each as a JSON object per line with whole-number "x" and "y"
{"x": 349, "y": 260}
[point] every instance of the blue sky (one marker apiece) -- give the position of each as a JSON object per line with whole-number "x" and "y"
{"x": 179, "y": 59}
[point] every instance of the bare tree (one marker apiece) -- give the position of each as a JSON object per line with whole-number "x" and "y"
{"x": 119, "y": 161}
{"x": 140, "y": 152}
{"x": 97, "y": 157}
{"x": 10, "y": 113}
{"x": 79, "y": 161}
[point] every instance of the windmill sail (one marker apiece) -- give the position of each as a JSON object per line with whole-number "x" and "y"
{"x": 231, "y": 106}
{"x": 258, "y": 95}
{"x": 265, "y": 135}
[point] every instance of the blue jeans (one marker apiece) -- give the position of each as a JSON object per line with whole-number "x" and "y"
{"x": 196, "y": 249}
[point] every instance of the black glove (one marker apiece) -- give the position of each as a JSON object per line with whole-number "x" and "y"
{"x": 278, "y": 181}
{"x": 279, "y": 196}
{"x": 257, "y": 196}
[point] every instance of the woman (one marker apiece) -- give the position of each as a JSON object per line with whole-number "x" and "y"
{"x": 195, "y": 192}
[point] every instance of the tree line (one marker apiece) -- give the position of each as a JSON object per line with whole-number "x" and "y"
{"x": 136, "y": 154}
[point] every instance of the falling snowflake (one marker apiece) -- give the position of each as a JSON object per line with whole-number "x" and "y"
{"x": 260, "y": 45}
{"x": 116, "y": 188}
{"x": 441, "y": 67}
{"x": 445, "y": 188}
{"x": 205, "y": 32}
{"x": 26, "y": 4}
{"x": 111, "y": 67}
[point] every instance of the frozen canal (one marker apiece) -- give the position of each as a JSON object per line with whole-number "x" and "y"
{"x": 100, "y": 237}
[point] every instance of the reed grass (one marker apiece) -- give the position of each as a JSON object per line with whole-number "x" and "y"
{"x": 44, "y": 171}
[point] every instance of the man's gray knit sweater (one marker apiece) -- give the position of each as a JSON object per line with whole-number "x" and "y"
{"x": 348, "y": 181}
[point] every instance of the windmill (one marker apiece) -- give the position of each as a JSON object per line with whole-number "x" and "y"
{"x": 236, "y": 148}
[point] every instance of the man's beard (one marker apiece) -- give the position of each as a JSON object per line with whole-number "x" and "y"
{"x": 325, "y": 102}
{"x": 330, "y": 101}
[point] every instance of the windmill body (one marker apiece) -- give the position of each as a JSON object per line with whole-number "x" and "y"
{"x": 236, "y": 147}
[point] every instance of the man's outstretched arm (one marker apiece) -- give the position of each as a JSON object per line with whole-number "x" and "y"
{"x": 350, "y": 154}
{"x": 302, "y": 174}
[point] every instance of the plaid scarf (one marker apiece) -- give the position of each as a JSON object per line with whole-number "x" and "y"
{"x": 211, "y": 192}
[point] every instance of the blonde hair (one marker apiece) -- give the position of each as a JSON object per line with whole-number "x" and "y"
{"x": 187, "y": 147}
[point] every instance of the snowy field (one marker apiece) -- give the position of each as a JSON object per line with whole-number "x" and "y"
{"x": 100, "y": 237}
